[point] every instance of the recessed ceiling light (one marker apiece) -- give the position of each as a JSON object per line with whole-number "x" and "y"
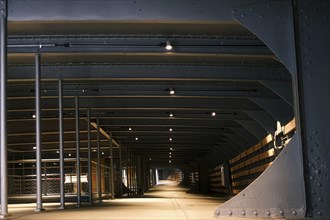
{"x": 170, "y": 153}
{"x": 69, "y": 155}
{"x": 213, "y": 114}
{"x": 34, "y": 147}
{"x": 171, "y": 114}
{"x": 170, "y": 139}
{"x": 170, "y": 161}
{"x": 172, "y": 92}
{"x": 136, "y": 138}
{"x": 170, "y": 156}
{"x": 102, "y": 153}
{"x": 130, "y": 128}
{"x": 34, "y": 116}
{"x": 170, "y": 129}
{"x": 171, "y": 148}
{"x": 168, "y": 45}
{"x": 94, "y": 150}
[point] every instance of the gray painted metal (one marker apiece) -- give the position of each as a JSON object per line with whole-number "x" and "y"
{"x": 312, "y": 48}
{"x": 120, "y": 180}
{"x": 277, "y": 192}
{"x": 78, "y": 166}
{"x": 3, "y": 111}
{"x": 252, "y": 126}
{"x": 99, "y": 10}
{"x": 264, "y": 119}
{"x": 89, "y": 160}
{"x": 112, "y": 176}
{"x": 39, "y": 207}
{"x": 283, "y": 89}
{"x": 61, "y": 143}
{"x": 98, "y": 149}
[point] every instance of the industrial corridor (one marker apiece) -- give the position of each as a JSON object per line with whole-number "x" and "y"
{"x": 164, "y": 109}
{"x": 167, "y": 200}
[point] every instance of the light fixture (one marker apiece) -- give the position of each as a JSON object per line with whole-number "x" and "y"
{"x": 171, "y": 148}
{"x": 171, "y": 114}
{"x": 170, "y": 153}
{"x": 170, "y": 156}
{"x": 213, "y": 114}
{"x": 102, "y": 153}
{"x": 57, "y": 151}
{"x": 170, "y": 161}
{"x": 69, "y": 155}
{"x": 130, "y": 128}
{"x": 168, "y": 45}
{"x": 172, "y": 92}
{"x": 136, "y": 138}
{"x": 94, "y": 150}
{"x": 170, "y": 139}
{"x": 170, "y": 129}
{"x": 34, "y": 116}
{"x": 34, "y": 147}
{"x": 150, "y": 158}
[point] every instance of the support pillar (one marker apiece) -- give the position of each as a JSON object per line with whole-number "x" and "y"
{"x": 89, "y": 160}
{"x": 120, "y": 172}
{"x": 112, "y": 176}
{"x": 99, "y": 185}
{"x": 38, "y": 135}
{"x": 3, "y": 111}
{"x": 78, "y": 152}
{"x": 61, "y": 138}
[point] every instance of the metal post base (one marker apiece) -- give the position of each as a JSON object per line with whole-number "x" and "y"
{"x": 278, "y": 192}
{"x": 39, "y": 210}
{"x": 61, "y": 208}
{"x": 4, "y": 216}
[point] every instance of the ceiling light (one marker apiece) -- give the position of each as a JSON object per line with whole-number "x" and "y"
{"x": 170, "y": 156}
{"x": 172, "y": 92}
{"x": 136, "y": 138}
{"x": 213, "y": 114}
{"x": 129, "y": 128}
{"x": 171, "y": 114}
{"x": 34, "y": 147}
{"x": 102, "y": 153}
{"x": 69, "y": 155}
{"x": 170, "y": 153}
{"x": 170, "y": 161}
{"x": 170, "y": 129}
{"x": 94, "y": 150}
{"x": 57, "y": 151}
{"x": 150, "y": 158}
{"x": 170, "y": 139}
{"x": 168, "y": 45}
{"x": 34, "y": 116}
{"x": 171, "y": 148}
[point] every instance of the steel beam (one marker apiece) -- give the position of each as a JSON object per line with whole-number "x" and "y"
{"x": 39, "y": 207}
{"x": 89, "y": 160}
{"x": 191, "y": 72}
{"x": 98, "y": 10}
{"x": 61, "y": 143}
{"x": 78, "y": 166}
{"x": 3, "y": 111}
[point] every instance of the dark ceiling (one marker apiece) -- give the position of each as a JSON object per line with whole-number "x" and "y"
{"x": 123, "y": 73}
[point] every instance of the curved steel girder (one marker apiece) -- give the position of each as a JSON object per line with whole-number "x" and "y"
{"x": 237, "y": 138}
{"x": 282, "y": 89}
{"x": 188, "y": 72}
{"x": 253, "y": 127}
{"x": 264, "y": 119}
{"x": 277, "y": 108}
{"x": 247, "y": 135}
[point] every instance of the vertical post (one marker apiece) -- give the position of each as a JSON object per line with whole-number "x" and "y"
{"x": 99, "y": 185}
{"x": 3, "y": 111}
{"x": 38, "y": 134}
{"x": 111, "y": 169}
{"x": 120, "y": 172}
{"x": 128, "y": 173}
{"x": 61, "y": 138}
{"x": 138, "y": 176}
{"x": 78, "y": 152}
{"x": 89, "y": 162}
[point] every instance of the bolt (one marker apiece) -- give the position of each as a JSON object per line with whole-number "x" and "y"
{"x": 294, "y": 213}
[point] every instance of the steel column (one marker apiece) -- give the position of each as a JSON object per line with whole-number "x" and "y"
{"x": 138, "y": 176}
{"x": 38, "y": 135}
{"x": 99, "y": 185}
{"x": 3, "y": 111}
{"x": 89, "y": 161}
{"x": 111, "y": 168}
{"x": 61, "y": 137}
{"x": 77, "y": 152}
{"x": 120, "y": 172}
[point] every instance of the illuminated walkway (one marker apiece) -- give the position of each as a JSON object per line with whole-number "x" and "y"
{"x": 165, "y": 201}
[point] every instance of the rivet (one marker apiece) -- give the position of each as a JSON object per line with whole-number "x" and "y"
{"x": 313, "y": 192}
{"x": 319, "y": 213}
{"x": 251, "y": 9}
{"x": 261, "y": 16}
{"x": 316, "y": 145}
{"x": 319, "y": 184}
{"x": 314, "y": 132}
{"x": 294, "y": 213}
{"x": 281, "y": 212}
{"x": 311, "y": 177}
{"x": 320, "y": 199}
{"x": 278, "y": 17}
{"x": 268, "y": 213}
{"x": 315, "y": 10}
{"x": 243, "y": 212}
{"x": 317, "y": 158}
{"x": 317, "y": 171}
{"x": 325, "y": 17}
{"x": 255, "y": 212}
{"x": 242, "y": 15}
{"x": 306, "y": 16}
{"x": 230, "y": 212}
{"x": 269, "y": 6}
{"x": 233, "y": 11}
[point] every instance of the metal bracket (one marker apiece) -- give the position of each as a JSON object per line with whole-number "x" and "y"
{"x": 278, "y": 192}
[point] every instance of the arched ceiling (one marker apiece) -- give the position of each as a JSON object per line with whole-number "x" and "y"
{"x": 119, "y": 68}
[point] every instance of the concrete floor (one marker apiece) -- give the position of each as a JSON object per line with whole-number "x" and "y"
{"x": 165, "y": 201}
